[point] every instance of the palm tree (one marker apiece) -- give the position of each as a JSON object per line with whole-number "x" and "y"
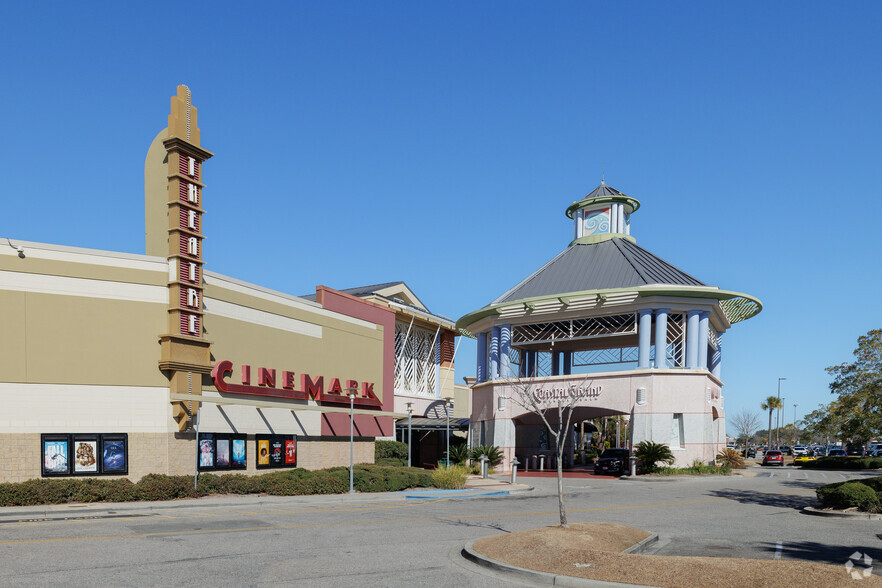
{"x": 771, "y": 403}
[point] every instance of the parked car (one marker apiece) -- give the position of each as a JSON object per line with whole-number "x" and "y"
{"x": 819, "y": 451}
{"x": 750, "y": 452}
{"x": 800, "y": 450}
{"x": 854, "y": 449}
{"x": 837, "y": 453}
{"x": 786, "y": 449}
{"x": 612, "y": 461}
{"x": 773, "y": 457}
{"x": 801, "y": 459}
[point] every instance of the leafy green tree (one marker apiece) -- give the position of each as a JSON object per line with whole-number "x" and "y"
{"x": 771, "y": 404}
{"x": 649, "y": 454}
{"x": 821, "y": 424}
{"x": 858, "y": 385}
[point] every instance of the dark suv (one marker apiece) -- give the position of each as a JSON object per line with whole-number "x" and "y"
{"x": 612, "y": 461}
{"x": 854, "y": 449}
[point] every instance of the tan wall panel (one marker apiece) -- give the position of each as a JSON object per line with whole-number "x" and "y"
{"x": 78, "y": 340}
{"x": 337, "y": 354}
{"x": 32, "y": 264}
{"x": 13, "y": 337}
{"x": 318, "y": 318}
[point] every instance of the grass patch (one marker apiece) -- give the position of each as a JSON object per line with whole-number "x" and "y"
{"x": 450, "y": 477}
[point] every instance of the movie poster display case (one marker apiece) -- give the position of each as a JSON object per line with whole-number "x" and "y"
{"x": 221, "y": 451}
{"x": 276, "y": 451}
{"x": 84, "y": 454}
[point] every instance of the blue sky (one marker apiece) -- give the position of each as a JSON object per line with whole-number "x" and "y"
{"x": 359, "y": 143}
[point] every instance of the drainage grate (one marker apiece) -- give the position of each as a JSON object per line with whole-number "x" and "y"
{"x": 82, "y": 518}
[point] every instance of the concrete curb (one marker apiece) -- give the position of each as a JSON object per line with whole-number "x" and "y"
{"x": 470, "y": 554}
{"x": 838, "y": 514}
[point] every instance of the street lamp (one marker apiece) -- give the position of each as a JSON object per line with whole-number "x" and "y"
{"x": 795, "y": 428}
{"x": 352, "y": 391}
{"x": 409, "y": 419}
{"x": 448, "y": 401}
{"x": 778, "y": 424}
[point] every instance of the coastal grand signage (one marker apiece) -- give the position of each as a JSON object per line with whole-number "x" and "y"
{"x": 571, "y": 392}
{"x": 289, "y": 385}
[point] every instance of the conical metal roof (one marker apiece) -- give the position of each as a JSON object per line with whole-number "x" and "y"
{"x": 614, "y": 263}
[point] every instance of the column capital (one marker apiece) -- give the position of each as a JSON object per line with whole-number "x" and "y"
{"x": 659, "y": 311}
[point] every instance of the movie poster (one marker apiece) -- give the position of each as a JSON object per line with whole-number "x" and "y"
{"x": 85, "y": 456}
{"x": 238, "y": 453}
{"x": 263, "y": 448}
{"x": 290, "y": 451}
{"x": 113, "y": 457}
{"x": 206, "y": 451}
{"x": 277, "y": 447}
{"x": 223, "y": 453}
{"x": 55, "y": 457}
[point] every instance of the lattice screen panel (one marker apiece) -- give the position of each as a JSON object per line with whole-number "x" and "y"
{"x": 619, "y": 324}
{"x": 515, "y": 361}
{"x": 414, "y": 360}
{"x": 543, "y": 364}
{"x": 712, "y": 338}
{"x": 675, "y": 354}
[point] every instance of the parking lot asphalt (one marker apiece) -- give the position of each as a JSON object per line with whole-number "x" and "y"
{"x": 386, "y": 540}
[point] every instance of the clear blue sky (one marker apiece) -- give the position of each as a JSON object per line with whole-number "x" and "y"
{"x": 359, "y": 143}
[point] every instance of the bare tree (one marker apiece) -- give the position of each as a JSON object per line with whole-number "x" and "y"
{"x": 554, "y": 406}
{"x": 746, "y": 423}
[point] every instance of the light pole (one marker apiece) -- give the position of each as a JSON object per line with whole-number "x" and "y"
{"x": 448, "y": 401}
{"x": 352, "y": 392}
{"x": 778, "y": 425}
{"x": 409, "y": 419}
{"x": 794, "y": 421}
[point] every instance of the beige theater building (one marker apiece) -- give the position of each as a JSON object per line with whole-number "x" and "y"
{"x": 111, "y": 361}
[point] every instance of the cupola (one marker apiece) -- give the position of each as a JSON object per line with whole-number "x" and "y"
{"x": 603, "y": 213}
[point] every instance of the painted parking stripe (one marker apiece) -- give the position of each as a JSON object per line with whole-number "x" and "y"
{"x": 778, "y": 546}
{"x": 843, "y": 477}
{"x": 823, "y": 475}
{"x": 788, "y": 474}
{"x": 771, "y": 474}
{"x": 805, "y": 475}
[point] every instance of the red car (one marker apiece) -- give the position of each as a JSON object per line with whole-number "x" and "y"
{"x": 773, "y": 457}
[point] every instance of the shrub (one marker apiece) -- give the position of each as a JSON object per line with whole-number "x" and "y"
{"x": 844, "y": 463}
{"x": 493, "y": 453}
{"x": 393, "y": 449}
{"x": 161, "y": 487}
{"x": 449, "y": 477}
{"x": 849, "y": 495}
{"x": 731, "y": 458}
{"x": 392, "y": 461}
{"x": 368, "y": 478}
{"x": 649, "y": 454}
{"x": 459, "y": 453}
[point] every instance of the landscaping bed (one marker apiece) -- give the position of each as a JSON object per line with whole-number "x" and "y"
{"x": 853, "y": 495}
{"x": 296, "y": 482}
{"x": 844, "y": 463}
{"x": 593, "y": 550}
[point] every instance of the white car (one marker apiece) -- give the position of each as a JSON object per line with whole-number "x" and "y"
{"x": 799, "y": 450}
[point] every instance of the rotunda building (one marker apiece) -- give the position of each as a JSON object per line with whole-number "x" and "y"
{"x": 611, "y": 329}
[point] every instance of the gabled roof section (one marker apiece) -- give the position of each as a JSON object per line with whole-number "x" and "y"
{"x": 388, "y": 289}
{"x": 613, "y": 263}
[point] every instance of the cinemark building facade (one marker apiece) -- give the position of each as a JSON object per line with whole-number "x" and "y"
{"x": 111, "y": 361}
{"x": 612, "y": 330}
